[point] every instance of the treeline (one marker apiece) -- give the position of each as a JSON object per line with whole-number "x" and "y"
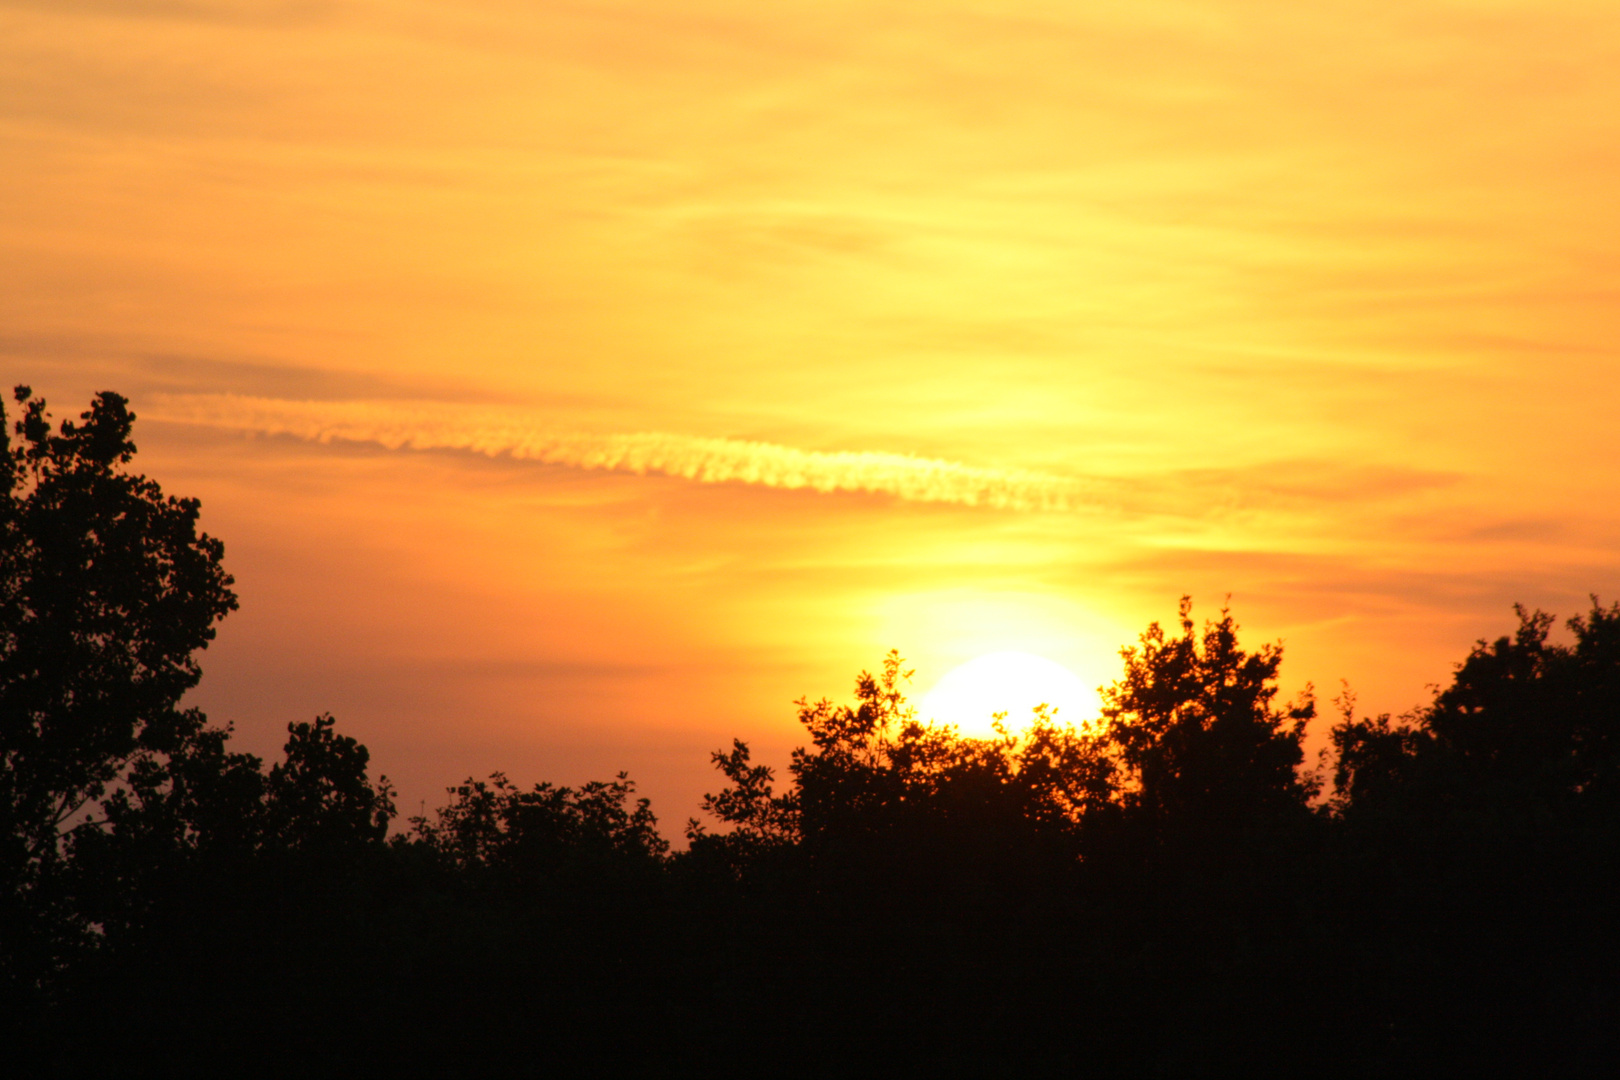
{"x": 1172, "y": 890}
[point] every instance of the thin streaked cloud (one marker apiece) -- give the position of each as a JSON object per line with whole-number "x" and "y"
{"x": 495, "y": 433}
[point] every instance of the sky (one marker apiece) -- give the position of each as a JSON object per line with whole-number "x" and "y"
{"x": 576, "y": 385}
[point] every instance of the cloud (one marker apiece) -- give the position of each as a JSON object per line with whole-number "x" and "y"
{"x": 506, "y": 433}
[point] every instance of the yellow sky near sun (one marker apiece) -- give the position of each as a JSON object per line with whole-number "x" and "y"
{"x": 802, "y": 330}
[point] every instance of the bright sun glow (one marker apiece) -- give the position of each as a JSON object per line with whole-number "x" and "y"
{"x": 1010, "y": 682}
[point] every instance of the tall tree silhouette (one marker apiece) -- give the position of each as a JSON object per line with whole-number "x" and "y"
{"x": 111, "y": 794}
{"x": 107, "y": 592}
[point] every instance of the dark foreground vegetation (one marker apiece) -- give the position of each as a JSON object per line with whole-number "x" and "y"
{"x": 1171, "y": 893}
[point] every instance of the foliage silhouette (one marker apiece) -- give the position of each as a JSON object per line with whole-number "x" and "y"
{"x": 124, "y": 813}
{"x": 1480, "y": 833}
{"x": 496, "y": 827}
{"x": 1195, "y": 729}
{"x": 761, "y": 823}
{"x": 1527, "y": 729}
{"x": 107, "y": 590}
{"x": 879, "y": 796}
{"x": 1156, "y": 893}
{"x": 320, "y": 796}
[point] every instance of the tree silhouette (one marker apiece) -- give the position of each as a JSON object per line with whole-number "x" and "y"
{"x": 1478, "y": 833}
{"x": 495, "y": 826}
{"x": 320, "y": 796}
{"x": 882, "y": 812}
{"x": 1152, "y": 894}
{"x": 1527, "y": 728}
{"x": 107, "y": 591}
{"x": 1205, "y": 753}
{"x": 761, "y": 823}
{"x": 116, "y": 804}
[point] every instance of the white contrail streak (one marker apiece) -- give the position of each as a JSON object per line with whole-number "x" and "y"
{"x": 703, "y": 460}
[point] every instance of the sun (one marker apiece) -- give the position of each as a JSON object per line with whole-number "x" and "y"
{"x": 1010, "y": 682}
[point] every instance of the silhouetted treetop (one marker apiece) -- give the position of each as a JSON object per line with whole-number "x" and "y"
{"x": 496, "y": 826}
{"x": 107, "y": 591}
{"x": 878, "y": 788}
{"x": 320, "y": 796}
{"x": 760, "y": 821}
{"x": 110, "y": 792}
{"x": 1526, "y": 727}
{"x": 1196, "y": 731}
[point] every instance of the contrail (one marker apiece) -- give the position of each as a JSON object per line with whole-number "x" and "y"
{"x": 703, "y": 460}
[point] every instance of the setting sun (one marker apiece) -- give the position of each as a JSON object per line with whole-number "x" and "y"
{"x": 1009, "y": 682}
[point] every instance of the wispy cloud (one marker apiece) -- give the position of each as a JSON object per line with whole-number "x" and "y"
{"x": 504, "y": 433}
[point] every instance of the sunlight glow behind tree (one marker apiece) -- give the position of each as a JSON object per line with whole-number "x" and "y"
{"x": 1008, "y": 682}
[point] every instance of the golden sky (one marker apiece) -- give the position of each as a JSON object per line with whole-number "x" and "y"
{"x": 574, "y": 385}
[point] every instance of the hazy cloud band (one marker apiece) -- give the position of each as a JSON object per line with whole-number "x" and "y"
{"x": 703, "y": 460}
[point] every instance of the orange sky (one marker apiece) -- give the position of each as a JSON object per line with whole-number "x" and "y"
{"x": 574, "y": 385}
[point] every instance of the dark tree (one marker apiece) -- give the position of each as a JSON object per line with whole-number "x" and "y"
{"x": 107, "y": 592}
{"x": 114, "y": 800}
{"x": 1528, "y": 729}
{"x": 190, "y": 845}
{"x": 879, "y": 803}
{"x": 495, "y": 826}
{"x": 320, "y": 797}
{"x": 762, "y": 824}
{"x": 1205, "y": 751}
{"x": 1480, "y": 833}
